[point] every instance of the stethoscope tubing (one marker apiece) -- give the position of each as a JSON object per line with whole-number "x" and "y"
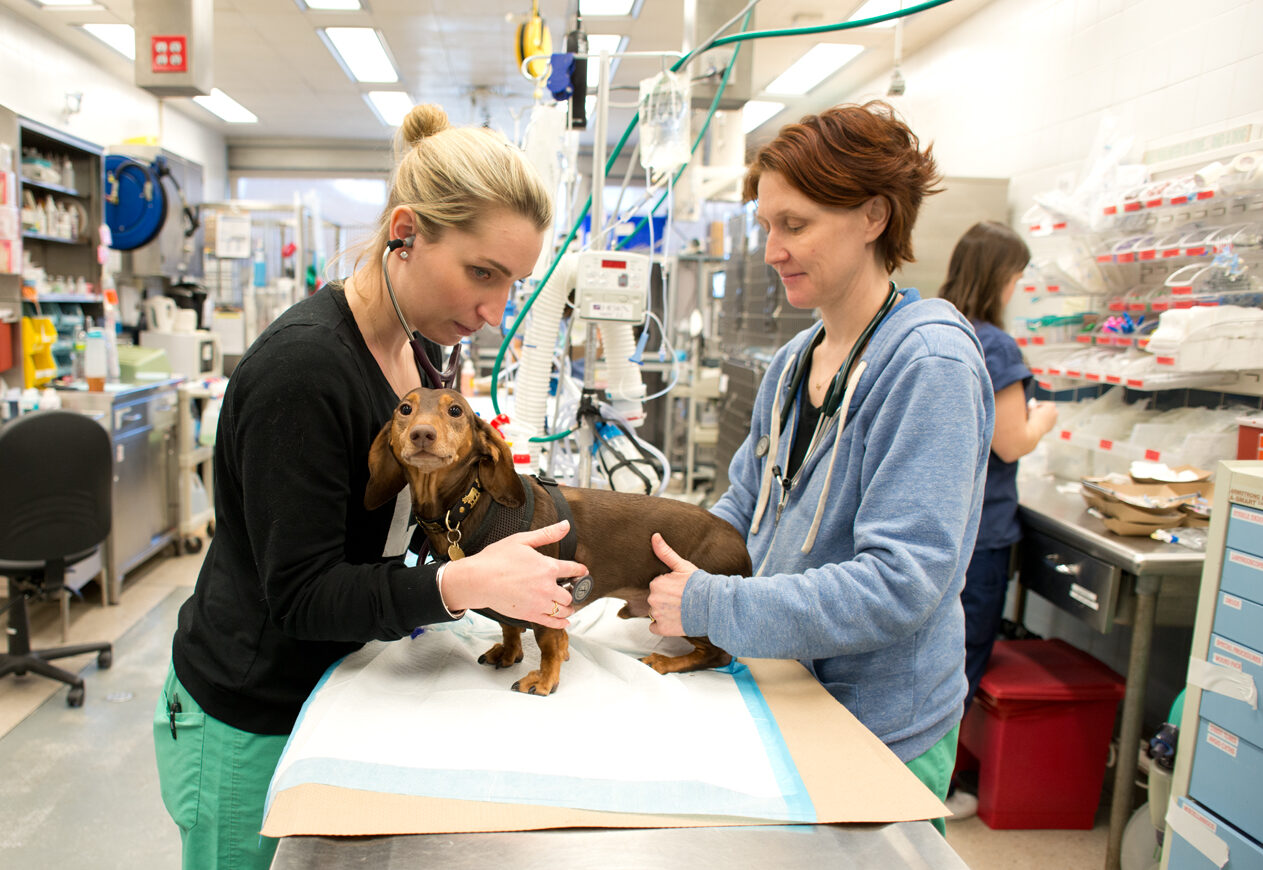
{"x": 430, "y": 375}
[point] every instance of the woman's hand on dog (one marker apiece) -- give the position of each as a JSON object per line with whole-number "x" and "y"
{"x": 513, "y": 578}
{"x": 666, "y": 591}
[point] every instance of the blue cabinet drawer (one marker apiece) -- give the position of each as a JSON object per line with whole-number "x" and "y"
{"x": 1239, "y": 619}
{"x": 1213, "y": 833}
{"x": 1234, "y": 714}
{"x": 1227, "y": 771}
{"x": 1245, "y": 529}
{"x": 1242, "y": 575}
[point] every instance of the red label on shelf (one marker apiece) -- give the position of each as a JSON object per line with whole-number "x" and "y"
{"x": 1123, "y": 341}
{"x": 1029, "y": 288}
{"x": 1208, "y": 303}
{"x": 1153, "y": 203}
{"x": 1111, "y": 209}
{"x": 1135, "y": 306}
{"x": 1126, "y": 257}
{"x": 1054, "y": 371}
{"x": 1083, "y": 339}
{"x": 1054, "y": 288}
{"x": 1165, "y": 360}
{"x": 1037, "y": 370}
{"x": 1106, "y": 444}
{"x": 1131, "y": 206}
{"x": 1184, "y": 290}
{"x": 1142, "y": 343}
{"x": 1149, "y": 254}
{"x": 1153, "y": 455}
{"x": 1064, "y": 434}
{"x": 1039, "y": 339}
{"x": 1117, "y": 306}
{"x": 1184, "y": 303}
{"x": 1060, "y": 225}
{"x": 1135, "y": 382}
{"x": 1070, "y": 373}
{"x": 1104, "y": 258}
{"x": 1170, "y": 252}
{"x": 1179, "y": 200}
{"x": 1113, "y": 379}
{"x": 1196, "y": 251}
{"x": 1092, "y": 376}
{"x": 1205, "y": 194}
{"x": 1160, "y": 306}
{"x": 1021, "y": 341}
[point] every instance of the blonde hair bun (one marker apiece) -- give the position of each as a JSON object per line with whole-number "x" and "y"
{"x": 424, "y": 120}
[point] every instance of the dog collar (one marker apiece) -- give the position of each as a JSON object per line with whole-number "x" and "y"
{"x": 457, "y": 512}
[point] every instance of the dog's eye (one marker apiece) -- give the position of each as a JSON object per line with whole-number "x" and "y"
{"x": 455, "y": 410}
{"x": 405, "y": 410}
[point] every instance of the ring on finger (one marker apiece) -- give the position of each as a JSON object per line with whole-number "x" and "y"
{"x": 556, "y": 608}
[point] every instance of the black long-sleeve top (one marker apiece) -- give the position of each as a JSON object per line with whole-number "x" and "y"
{"x": 298, "y": 573}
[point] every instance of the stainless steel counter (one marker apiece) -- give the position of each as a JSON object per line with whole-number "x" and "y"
{"x": 879, "y": 847}
{"x": 1068, "y": 557}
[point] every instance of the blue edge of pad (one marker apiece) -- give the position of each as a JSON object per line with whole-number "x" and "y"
{"x": 676, "y": 798}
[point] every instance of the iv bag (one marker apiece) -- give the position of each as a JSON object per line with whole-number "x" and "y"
{"x": 664, "y": 122}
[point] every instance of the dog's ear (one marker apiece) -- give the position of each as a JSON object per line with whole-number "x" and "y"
{"x": 495, "y": 466}
{"x": 385, "y": 474}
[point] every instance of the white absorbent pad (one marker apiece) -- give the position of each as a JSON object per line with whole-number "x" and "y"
{"x": 421, "y": 716}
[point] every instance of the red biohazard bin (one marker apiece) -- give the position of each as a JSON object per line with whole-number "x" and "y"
{"x": 1040, "y": 727}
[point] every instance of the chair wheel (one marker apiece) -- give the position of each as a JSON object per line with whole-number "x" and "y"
{"x": 192, "y": 544}
{"x": 74, "y": 698}
{"x": 104, "y": 659}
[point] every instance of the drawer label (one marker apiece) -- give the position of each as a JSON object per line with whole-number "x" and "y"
{"x": 1221, "y": 745}
{"x": 1084, "y": 596}
{"x": 1209, "y": 823}
{"x": 1247, "y": 561}
{"x": 1248, "y": 516}
{"x": 1243, "y": 496}
{"x": 1232, "y": 601}
{"x": 1239, "y": 651}
{"x": 1221, "y": 659}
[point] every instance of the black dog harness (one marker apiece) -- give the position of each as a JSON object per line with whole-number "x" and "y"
{"x": 500, "y": 522}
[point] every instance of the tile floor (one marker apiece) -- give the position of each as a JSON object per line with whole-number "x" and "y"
{"x": 78, "y": 787}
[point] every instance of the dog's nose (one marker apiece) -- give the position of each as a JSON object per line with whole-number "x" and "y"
{"x": 422, "y": 435}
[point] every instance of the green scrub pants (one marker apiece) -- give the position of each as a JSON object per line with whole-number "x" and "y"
{"x": 934, "y": 768}
{"x": 214, "y": 782}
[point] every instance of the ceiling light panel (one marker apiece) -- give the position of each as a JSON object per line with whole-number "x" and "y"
{"x": 610, "y": 43}
{"x": 119, "y": 37}
{"x": 67, "y": 4}
{"x": 755, "y": 113}
{"x": 607, "y": 8}
{"x": 330, "y": 5}
{"x": 820, "y": 62}
{"x": 391, "y": 107}
{"x": 877, "y": 7}
{"x": 362, "y": 53}
{"x": 219, "y": 103}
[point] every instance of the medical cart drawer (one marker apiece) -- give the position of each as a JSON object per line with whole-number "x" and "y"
{"x": 1189, "y": 823}
{"x": 1070, "y": 579}
{"x": 1245, "y": 529}
{"x": 1238, "y": 619}
{"x": 1236, "y": 715}
{"x": 1242, "y": 575}
{"x": 1227, "y": 770}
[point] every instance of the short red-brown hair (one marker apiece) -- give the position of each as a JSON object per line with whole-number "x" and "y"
{"x": 848, "y": 154}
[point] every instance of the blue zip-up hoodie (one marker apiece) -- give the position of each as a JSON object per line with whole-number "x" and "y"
{"x": 859, "y": 567}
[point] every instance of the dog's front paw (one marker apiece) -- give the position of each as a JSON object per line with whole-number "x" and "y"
{"x": 535, "y": 683}
{"x": 501, "y": 656}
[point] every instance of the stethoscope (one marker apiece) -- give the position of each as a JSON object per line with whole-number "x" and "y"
{"x": 431, "y": 376}
{"x": 833, "y": 398}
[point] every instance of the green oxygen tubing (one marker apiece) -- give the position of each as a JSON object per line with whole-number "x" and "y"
{"x": 714, "y": 42}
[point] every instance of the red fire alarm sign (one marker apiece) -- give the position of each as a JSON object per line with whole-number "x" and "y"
{"x": 169, "y": 54}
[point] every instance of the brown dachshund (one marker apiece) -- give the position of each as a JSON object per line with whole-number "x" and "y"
{"x": 448, "y": 455}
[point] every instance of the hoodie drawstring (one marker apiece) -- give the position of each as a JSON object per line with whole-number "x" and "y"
{"x": 765, "y": 486}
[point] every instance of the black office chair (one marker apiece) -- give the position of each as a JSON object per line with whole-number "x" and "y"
{"x": 56, "y": 473}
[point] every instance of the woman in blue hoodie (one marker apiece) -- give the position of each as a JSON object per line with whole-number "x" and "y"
{"x": 860, "y": 484}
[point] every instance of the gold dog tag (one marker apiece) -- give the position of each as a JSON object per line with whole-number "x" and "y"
{"x": 454, "y": 551}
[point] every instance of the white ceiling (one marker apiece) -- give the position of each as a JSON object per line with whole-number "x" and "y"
{"x": 460, "y": 53}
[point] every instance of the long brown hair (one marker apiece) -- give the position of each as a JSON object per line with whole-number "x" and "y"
{"x": 845, "y": 156}
{"x": 985, "y": 259}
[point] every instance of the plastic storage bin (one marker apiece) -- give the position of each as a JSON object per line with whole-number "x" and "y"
{"x": 38, "y": 335}
{"x": 1040, "y": 727}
